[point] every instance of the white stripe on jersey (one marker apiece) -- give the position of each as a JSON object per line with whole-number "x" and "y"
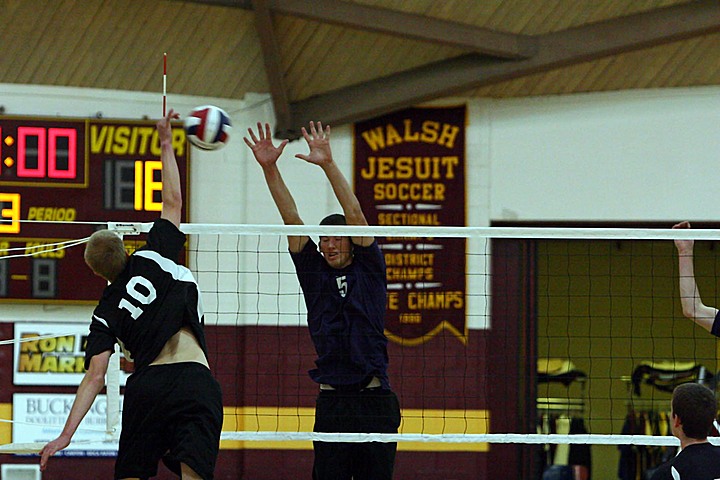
{"x": 675, "y": 474}
{"x": 101, "y": 320}
{"x": 178, "y": 272}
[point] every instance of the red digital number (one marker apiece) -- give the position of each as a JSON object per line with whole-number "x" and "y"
{"x": 47, "y": 160}
{"x": 38, "y": 155}
{"x": 70, "y": 134}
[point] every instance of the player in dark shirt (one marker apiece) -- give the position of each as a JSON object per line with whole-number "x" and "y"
{"x": 152, "y": 307}
{"x": 693, "y": 412}
{"x": 345, "y": 290}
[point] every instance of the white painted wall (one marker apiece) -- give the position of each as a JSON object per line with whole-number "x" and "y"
{"x": 646, "y": 156}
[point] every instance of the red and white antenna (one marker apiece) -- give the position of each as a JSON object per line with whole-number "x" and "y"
{"x": 164, "y": 83}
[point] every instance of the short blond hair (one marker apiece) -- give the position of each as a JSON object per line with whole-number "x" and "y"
{"x": 105, "y": 254}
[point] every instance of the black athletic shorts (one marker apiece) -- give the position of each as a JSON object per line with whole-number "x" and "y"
{"x": 171, "y": 412}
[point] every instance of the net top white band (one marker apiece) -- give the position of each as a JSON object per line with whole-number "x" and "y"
{"x": 430, "y": 231}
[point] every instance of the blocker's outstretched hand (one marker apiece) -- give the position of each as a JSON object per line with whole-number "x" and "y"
{"x": 262, "y": 146}
{"x": 319, "y": 142}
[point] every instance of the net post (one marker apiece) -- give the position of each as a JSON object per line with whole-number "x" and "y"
{"x": 112, "y": 420}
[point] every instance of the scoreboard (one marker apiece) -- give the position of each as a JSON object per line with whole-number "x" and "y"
{"x": 56, "y": 171}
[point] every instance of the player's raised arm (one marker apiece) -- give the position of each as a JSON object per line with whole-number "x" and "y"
{"x": 171, "y": 190}
{"x": 692, "y": 304}
{"x": 318, "y": 139}
{"x": 267, "y": 156}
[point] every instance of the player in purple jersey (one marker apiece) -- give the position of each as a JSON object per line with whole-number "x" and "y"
{"x": 345, "y": 290}
{"x": 173, "y": 406}
{"x": 692, "y": 304}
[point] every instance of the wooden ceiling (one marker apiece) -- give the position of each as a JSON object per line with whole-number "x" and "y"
{"x": 347, "y": 60}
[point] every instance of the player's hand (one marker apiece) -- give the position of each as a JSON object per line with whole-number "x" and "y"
{"x": 164, "y": 128}
{"x": 51, "y": 449}
{"x": 319, "y": 142}
{"x": 684, "y": 247}
{"x": 262, "y": 146}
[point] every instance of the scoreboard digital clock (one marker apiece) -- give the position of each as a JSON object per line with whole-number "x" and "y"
{"x": 60, "y": 176}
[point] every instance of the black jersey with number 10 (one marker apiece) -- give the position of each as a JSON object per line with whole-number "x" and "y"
{"x": 150, "y": 301}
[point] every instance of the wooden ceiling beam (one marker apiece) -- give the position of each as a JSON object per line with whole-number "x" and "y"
{"x": 271, "y": 60}
{"x": 460, "y": 74}
{"x": 244, "y": 4}
{"x": 409, "y": 25}
{"x": 630, "y": 33}
{"x": 399, "y": 24}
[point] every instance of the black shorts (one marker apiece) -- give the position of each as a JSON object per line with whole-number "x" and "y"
{"x": 171, "y": 412}
{"x": 373, "y": 410}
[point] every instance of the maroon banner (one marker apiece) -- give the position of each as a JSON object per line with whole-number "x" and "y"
{"x": 410, "y": 170}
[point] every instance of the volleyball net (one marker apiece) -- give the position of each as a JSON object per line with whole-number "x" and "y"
{"x": 496, "y": 335}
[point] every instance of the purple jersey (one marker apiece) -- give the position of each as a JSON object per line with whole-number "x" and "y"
{"x": 346, "y": 314}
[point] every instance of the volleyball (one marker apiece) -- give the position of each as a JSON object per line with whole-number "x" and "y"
{"x": 208, "y": 127}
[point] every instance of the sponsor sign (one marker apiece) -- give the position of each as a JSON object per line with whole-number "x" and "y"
{"x": 39, "y": 417}
{"x": 53, "y": 354}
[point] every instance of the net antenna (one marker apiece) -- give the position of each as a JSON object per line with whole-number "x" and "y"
{"x": 164, "y": 88}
